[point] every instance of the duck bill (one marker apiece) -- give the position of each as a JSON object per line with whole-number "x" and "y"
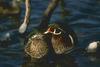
{"x": 53, "y": 31}
{"x": 49, "y": 30}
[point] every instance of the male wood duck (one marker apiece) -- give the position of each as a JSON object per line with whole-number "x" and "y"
{"x": 63, "y": 38}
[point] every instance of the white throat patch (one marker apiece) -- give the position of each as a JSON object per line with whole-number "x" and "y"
{"x": 71, "y": 39}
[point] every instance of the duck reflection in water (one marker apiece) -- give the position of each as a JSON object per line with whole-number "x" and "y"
{"x": 60, "y": 61}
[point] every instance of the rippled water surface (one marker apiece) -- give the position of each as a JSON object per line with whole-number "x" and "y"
{"x": 84, "y": 18}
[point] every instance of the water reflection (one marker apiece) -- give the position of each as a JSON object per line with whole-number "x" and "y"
{"x": 93, "y": 57}
{"x": 61, "y": 61}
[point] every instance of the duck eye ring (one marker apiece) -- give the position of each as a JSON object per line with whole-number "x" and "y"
{"x": 56, "y": 33}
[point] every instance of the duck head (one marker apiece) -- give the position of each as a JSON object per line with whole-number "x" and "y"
{"x": 54, "y": 29}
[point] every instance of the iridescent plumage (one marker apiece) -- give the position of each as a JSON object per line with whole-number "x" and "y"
{"x": 63, "y": 40}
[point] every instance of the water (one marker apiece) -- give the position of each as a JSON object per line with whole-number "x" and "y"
{"x": 84, "y": 18}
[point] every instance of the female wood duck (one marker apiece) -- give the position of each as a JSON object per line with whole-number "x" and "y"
{"x": 36, "y": 46}
{"x": 63, "y": 38}
{"x": 39, "y": 46}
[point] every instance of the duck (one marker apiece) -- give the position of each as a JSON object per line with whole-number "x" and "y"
{"x": 39, "y": 46}
{"x": 36, "y": 46}
{"x": 64, "y": 39}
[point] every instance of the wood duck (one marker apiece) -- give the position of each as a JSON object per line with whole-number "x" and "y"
{"x": 36, "y": 46}
{"x": 39, "y": 46}
{"x": 63, "y": 38}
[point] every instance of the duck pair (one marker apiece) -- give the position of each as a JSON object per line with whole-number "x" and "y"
{"x": 58, "y": 39}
